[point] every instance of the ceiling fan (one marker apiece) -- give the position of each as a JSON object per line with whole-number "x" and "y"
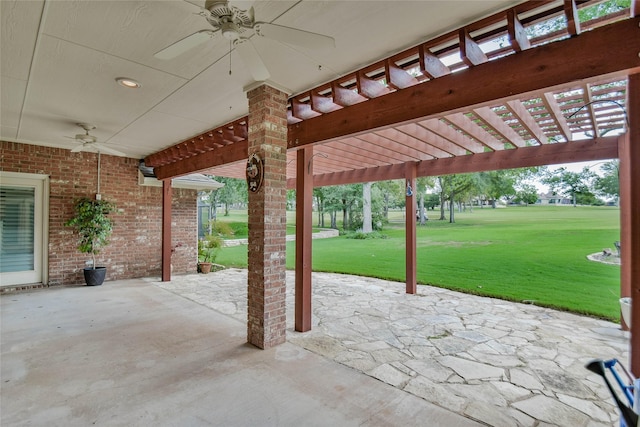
{"x": 238, "y": 25}
{"x": 91, "y": 142}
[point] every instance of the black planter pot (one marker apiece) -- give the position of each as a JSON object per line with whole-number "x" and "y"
{"x": 95, "y": 277}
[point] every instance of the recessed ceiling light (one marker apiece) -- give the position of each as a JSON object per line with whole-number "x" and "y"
{"x": 127, "y": 82}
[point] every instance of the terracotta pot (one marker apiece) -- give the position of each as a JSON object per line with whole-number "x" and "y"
{"x": 205, "y": 267}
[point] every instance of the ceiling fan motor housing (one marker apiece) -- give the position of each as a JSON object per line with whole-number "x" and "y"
{"x": 223, "y": 15}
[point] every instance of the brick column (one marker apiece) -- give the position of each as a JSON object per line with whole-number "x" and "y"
{"x": 266, "y": 322}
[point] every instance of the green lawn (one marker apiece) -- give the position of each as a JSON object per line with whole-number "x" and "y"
{"x": 530, "y": 253}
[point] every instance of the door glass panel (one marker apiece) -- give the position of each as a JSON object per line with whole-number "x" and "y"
{"x": 17, "y": 206}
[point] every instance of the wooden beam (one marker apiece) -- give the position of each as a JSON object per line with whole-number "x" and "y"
{"x": 549, "y": 101}
{"x": 385, "y": 145}
{"x": 470, "y": 51}
{"x": 371, "y": 88}
{"x": 467, "y": 125}
{"x": 220, "y": 156}
{"x": 302, "y": 111}
{"x": 323, "y": 104}
{"x": 517, "y": 34}
{"x": 304, "y": 218}
{"x": 431, "y": 65}
{"x": 166, "y": 230}
{"x": 412, "y": 143}
{"x": 345, "y": 97}
{"x": 353, "y": 151}
{"x": 571, "y": 13}
{"x": 240, "y": 128}
{"x": 410, "y": 228}
{"x": 375, "y": 149}
{"x": 351, "y": 155}
{"x": 398, "y": 77}
{"x": 591, "y": 112}
{"x": 492, "y": 119}
{"x": 540, "y": 155}
{"x": 545, "y": 67}
{"x": 355, "y": 176}
{"x": 518, "y": 109}
{"x": 459, "y": 140}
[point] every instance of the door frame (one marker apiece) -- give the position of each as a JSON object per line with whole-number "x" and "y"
{"x": 41, "y": 224}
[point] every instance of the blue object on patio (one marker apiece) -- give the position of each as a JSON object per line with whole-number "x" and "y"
{"x": 628, "y": 414}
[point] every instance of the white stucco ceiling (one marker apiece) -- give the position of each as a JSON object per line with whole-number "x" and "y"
{"x": 59, "y": 61}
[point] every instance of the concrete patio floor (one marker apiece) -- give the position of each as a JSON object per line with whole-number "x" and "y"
{"x": 497, "y": 362}
{"x": 143, "y": 352}
{"x": 129, "y": 353}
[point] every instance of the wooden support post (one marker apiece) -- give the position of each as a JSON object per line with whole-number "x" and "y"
{"x": 630, "y": 214}
{"x": 624, "y": 178}
{"x": 166, "y": 230}
{"x": 304, "y": 204}
{"x": 410, "y": 225}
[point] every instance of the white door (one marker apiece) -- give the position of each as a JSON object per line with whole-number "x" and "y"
{"x": 23, "y": 222}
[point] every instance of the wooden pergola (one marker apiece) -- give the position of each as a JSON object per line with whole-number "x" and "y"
{"x": 484, "y": 97}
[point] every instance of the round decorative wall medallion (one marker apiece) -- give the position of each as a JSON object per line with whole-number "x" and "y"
{"x": 255, "y": 172}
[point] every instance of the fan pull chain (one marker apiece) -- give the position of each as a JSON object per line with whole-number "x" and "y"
{"x": 230, "y": 46}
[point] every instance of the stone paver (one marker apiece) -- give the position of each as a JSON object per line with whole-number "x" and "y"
{"x": 497, "y": 362}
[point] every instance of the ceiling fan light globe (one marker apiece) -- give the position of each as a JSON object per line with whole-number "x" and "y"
{"x": 229, "y": 31}
{"x": 86, "y": 138}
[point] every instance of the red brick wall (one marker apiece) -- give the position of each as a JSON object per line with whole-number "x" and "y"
{"x": 135, "y": 248}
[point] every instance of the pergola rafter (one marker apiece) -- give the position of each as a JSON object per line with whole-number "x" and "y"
{"x": 462, "y": 102}
{"x": 428, "y": 97}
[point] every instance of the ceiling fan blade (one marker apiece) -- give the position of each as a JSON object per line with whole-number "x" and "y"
{"x": 252, "y": 59}
{"x": 241, "y": 4}
{"x": 294, "y": 36}
{"x": 104, "y": 149}
{"x": 77, "y": 148}
{"x": 187, "y": 43}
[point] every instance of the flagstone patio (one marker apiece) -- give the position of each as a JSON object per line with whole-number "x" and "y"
{"x": 497, "y": 362}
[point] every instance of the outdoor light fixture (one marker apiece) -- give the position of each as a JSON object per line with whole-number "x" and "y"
{"x": 127, "y": 82}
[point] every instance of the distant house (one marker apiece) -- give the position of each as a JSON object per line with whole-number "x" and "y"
{"x": 552, "y": 199}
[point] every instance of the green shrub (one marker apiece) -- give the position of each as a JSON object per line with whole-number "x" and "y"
{"x": 222, "y": 228}
{"x": 359, "y": 235}
{"x": 240, "y": 229}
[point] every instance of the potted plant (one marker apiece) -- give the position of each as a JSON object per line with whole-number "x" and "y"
{"x": 94, "y": 228}
{"x": 207, "y": 252}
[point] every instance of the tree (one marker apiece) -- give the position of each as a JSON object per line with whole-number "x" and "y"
{"x": 367, "y": 226}
{"x": 392, "y": 195}
{"x": 234, "y": 191}
{"x": 502, "y": 184}
{"x": 568, "y": 183}
{"x": 319, "y": 195}
{"x": 342, "y": 198}
{"x": 432, "y": 201}
{"x": 608, "y": 185}
{"x": 91, "y": 221}
{"x": 451, "y": 187}
{"x": 527, "y": 194}
{"x": 422, "y": 184}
